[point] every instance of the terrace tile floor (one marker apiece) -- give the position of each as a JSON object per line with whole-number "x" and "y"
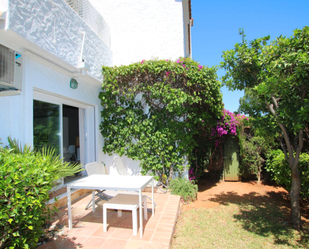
{"x": 88, "y": 232}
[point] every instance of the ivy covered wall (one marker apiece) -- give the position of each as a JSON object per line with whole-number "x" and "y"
{"x": 153, "y": 111}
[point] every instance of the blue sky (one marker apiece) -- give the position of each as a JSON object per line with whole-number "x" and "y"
{"x": 216, "y": 25}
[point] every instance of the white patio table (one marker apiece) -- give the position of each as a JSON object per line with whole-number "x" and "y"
{"x": 112, "y": 182}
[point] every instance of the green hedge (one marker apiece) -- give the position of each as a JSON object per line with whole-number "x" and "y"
{"x": 281, "y": 173}
{"x": 26, "y": 177}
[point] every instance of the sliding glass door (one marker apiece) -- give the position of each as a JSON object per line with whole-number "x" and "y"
{"x": 57, "y": 126}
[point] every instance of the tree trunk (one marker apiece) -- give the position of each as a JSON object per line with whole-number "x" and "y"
{"x": 171, "y": 176}
{"x": 294, "y": 199}
{"x": 293, "y": 163}
{"x": 259, "y": 174}
{"x": 210, "y": 161}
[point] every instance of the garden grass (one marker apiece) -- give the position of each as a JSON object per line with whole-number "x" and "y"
{"x": 238, "y": 225}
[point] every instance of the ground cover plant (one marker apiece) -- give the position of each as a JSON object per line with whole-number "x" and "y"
{"x": 26, "y": 177}
{"x": 153, "y": 111}
{"x": 184, "y": 188}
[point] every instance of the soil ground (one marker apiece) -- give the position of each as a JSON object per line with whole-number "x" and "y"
{"x": 214, "y": 193}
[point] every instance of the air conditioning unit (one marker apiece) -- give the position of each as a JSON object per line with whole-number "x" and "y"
{"x": 10, "y": 71}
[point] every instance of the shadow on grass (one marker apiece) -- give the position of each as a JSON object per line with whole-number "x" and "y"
{"x": 265, "y": 216}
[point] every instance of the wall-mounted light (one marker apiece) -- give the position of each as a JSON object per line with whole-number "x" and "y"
{"x": 73, "y": 83}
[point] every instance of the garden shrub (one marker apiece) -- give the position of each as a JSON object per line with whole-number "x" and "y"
{"x": 183, "y": 187}
{"x": 26, "y": 177}
{"x": 252, "y": 149}
{"x": 281, "y": 172}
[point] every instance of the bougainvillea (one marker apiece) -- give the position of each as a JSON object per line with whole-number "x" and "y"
{"x": 152, "y": 111}
{"x": 226, "y": 126}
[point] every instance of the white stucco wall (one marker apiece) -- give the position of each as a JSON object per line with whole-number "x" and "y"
{"x": 3, "y": 5}
{"x": 10, "y": 124}
{"x": 53, "y": 26}
{"x": 143, "y": 29}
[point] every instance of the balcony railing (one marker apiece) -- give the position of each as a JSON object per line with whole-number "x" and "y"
{"x": 92, "y": 18}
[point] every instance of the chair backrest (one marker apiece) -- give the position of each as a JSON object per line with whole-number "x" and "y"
{"x": 71, "y": 148}
{"x": 95, "y": 168}
{"x": 119, "y": 165}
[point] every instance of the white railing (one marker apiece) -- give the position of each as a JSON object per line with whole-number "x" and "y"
{"x": 92, "y": 17}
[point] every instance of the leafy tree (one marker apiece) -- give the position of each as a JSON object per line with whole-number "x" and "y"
{"x": 154, "y": 111}
{"x": 277, "y": 73}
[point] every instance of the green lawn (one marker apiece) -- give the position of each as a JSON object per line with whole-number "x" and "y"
{"x": 238, "y": 225}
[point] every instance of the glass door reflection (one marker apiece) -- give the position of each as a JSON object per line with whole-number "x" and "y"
{"x": 46, "y": 125}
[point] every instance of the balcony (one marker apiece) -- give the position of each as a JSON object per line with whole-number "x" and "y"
{"x": 92, "y": 17}
{"x": 65, "y": 33}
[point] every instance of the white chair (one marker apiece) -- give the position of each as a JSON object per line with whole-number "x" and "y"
{"x": 122, "y": 170}
{"x": 67, "y": 154}
{"x": 96, "y": 168}
{"x": 125, "y": 202}
{"x": 71, "y": 149}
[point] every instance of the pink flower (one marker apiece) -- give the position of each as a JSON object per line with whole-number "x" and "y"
{"x": 142, "y": 61}
{"x": 200, "y": 67}
{"x": 178, "y": 61}
{"x": 183, "y": 65}
{"x": 203, "y": 121}
{"x": 167, "y": 74}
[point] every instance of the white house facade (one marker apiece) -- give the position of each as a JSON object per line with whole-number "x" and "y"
{"x": 51, "y": 54}
{"x": 147, "y": 29}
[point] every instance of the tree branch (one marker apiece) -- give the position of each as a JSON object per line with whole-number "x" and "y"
{"x": 283, "y": 129}
{"x": 284, "y": 149}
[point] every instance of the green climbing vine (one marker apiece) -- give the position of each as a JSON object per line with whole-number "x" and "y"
{"x": 154, "y": 110}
